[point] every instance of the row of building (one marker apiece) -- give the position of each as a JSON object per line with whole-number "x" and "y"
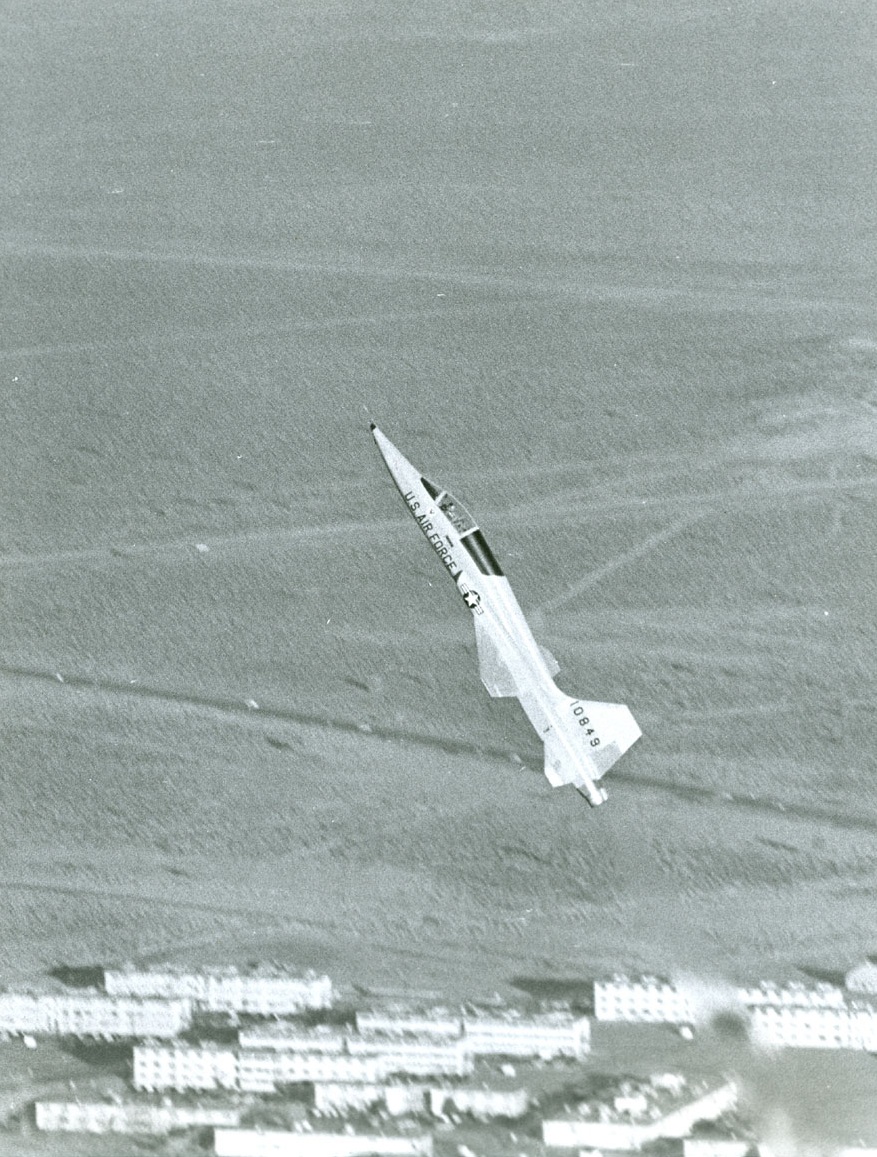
{"x": 160, "y": 1002}
{"x": 267, "y": 1057}
{"x": 777, "y": 1016}
{"x": 638, "y": 1113}
{"x": 270, "y": 1055}
{"x": 659, "y": 1000}
{"x": 495, "y": 1033}
{"x": 331, "y": 1099}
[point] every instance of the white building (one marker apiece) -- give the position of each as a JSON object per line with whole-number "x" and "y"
{"x": 799, "y": 995}
{"x": 633, "y": 1121}
{"x": 416, "y": 1055}
{"x": 91, "y": 1014}
{"x": 647, "y": 999}
{"x": 178, "y": 1065}
{"x": 293, "y": 1037}
{"x": 404, "y": 1021}
{"x": 851, "y": 1026}
{"x": 268, "y": 1143}
{"x": 263, "y": 991}
{"x": 791, "y": 1014}
{"x": 550, "y": 1034}
{"x": 717, "y": 1147}
{"x": 263, "y": 1071}
{"x": 129, "y": 1117}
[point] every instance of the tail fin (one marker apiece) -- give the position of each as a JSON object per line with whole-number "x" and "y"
{"x": 597, "y": 734}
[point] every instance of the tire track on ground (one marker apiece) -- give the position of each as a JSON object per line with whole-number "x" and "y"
{"x": 448, "y": 746}
{"x": 133, "y": 897}
{"x": 278, "y": 923}
{"x": 355, "y": 268}
{"x": 701, "y": 505}
{"x": 596, "y": 576}
{"x": 193, "y": 543}
{"x": 170, "y": 338}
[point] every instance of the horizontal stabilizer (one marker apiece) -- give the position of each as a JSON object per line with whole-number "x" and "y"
{"x": 495, "y": 675}
{"x": 593, "y": 738}
{"x": 617, "y": 730}
{"x": 550, "y": 662}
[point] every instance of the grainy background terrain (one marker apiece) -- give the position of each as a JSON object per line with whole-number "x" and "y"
{"x": 606, "y": 271}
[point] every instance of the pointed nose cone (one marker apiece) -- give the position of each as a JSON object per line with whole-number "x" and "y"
{"x": 404, "y": 474}
{"x": 384, "y": 444}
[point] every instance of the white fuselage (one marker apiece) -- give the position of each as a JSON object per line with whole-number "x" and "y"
{"x": 499, "y": 621}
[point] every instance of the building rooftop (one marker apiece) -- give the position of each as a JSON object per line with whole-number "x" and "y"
{"x": 554, "y": 1016}
{"x": 262, "y": 970}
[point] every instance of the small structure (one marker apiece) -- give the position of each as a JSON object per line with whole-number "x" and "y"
{"x": 482, "y": 1102}
{"x": 337, "y": 1098}
{"x": 862, "y": 978}
{"x": 641, "y": 1112}
{"x": 259, "y": 1143}
{"x": 130, "y": 1116}
{"x": 262, "y": 991}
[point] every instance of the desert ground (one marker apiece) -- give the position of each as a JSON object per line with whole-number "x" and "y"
{"x": 606, "y": 271}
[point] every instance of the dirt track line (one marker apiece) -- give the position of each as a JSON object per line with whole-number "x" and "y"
{"x": 700, "y": 505}
{"x": 134, "y": 897}
{"x": 278, "y": 922}
{"x": 449, "y": 746}
{"x": 190, "y": 544}
{"x": 264, "y": 329}
{"x": 809, "y": 812}
{"x": 608, "y": 568}
{"x": 240, "y": 707}
{"x": 355, "y": 268}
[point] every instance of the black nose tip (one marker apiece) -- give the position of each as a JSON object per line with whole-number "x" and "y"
{"x": 372, "y": 426}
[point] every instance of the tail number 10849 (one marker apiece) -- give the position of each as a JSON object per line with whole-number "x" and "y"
{"x": 583, "y": 721}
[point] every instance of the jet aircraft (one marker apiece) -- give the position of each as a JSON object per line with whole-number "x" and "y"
{"x": 582, "y": 739}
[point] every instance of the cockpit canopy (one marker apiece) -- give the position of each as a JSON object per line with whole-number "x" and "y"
{"x": 464, "y": 524}
{"x": 455, "y": 512}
